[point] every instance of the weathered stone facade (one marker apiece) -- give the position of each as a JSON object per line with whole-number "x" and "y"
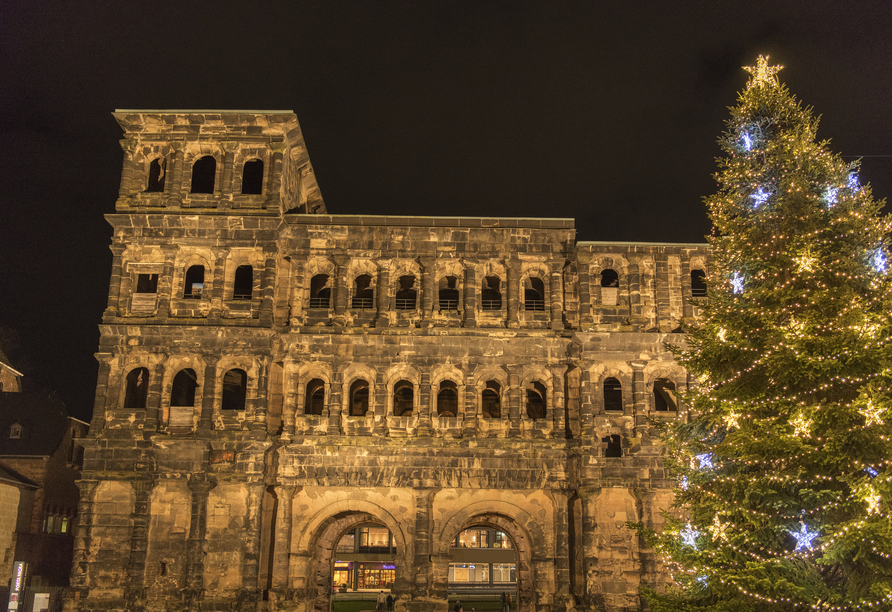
{"x": 425, "y": 373}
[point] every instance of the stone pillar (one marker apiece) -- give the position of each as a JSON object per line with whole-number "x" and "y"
{"x": 165, "y": 283}
{"x": 196, "y": 544}
{"x": 514, "y": 292}
{"x": 424, "y": 405}
{"x": 340, "y": 290}
{"x": 290, "y": 381}
{"x": 139, "y": 539}
{"x": 469, "y": 415}
{"x": 216, "y": 312}
{"x": 556, "y": 285}
{"x": 97, "y": 424}
{"x": 250, "y": 595}
{"x": 514, "y": 404}
{"x": 125, "y": 292}
{"x": 380, "y": 412}
{"x": 470, "y": 295}
{"x": 230, "y": 150}
{"x": 686, "y": 292}
{"x": 383, "y": 295}
{"x": 208, "y": 392}
{"x": 153, "y": 397}
{"x": 559, "y": 421}
{"x": 583, "y": 261}
{"x": 297, "y": 293}
{"x": 282, "y": 535}
{"x": 176, "y": 183}
{"x": 639, "y": 395}
{"x": 586, "y": 405}
{"x": 661, "y": 280}
{"x": 131, "y": 178}
{"x": 428, "y": 290}
{"x": 423, "y": 570}
{"x": 274, "y": 180}
{"x": 260, "y": 401}
{"x": 594, "y": 274}
{"x": 83, "y": 533}
{"x": 267, "y": 288}
{"x": 563, "y": 598}
{"x": 635, "y": 260}
{"x": 114, "y": 284}
{"x": 336, "y": 402}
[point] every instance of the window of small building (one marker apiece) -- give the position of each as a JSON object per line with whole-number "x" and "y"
{"x": 363, "y": 294}
{"x": 536, "y": 400}
{"x": 243, "y": 284}
{"x": 447, "y": 399}
{"x": 406, "y": 296}
{"x": 155, "y": 184}
{"x": 612, "y": 446}
{"x": 476, "y": 537}
{"x": 490, "y": 296}
{"x": 347, "y": 543}
{"x": 137, "y": 388}
{"x": 501, "y": 540}
{"x": 403, "y": 398}
{"x": 664, "y": 395}
{"x": 448, "y": 293}
{"x": 182, "y": 392}
{"x": 193, "y": 285}
{"x": 698, "y": 283}
{"x": 147, "y": 283}
{"x": 235, "y": 389}
{"x": 613, "y": 395}
{"x": 315, "y": 400}
{"x": 204, "y": 174}
{"x": 376, "y": 537}
{"x": 609, "y": 278}
{"x": 252, "y": 177}
{"x": 491, "y": 403}
{"x": 534, "y": 295}
{"x": 359, "y": 398}
{"x": 320, "y": 291}
{"x": 15, "y": 431}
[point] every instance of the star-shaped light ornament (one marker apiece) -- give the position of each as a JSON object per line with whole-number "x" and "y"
{"x": 759, "y": 197}
{"x": 732, "y": 420}
{"x": 737, "y": 283}
{"x": 689, "y": 536}
{"x": 763, "y": 74}
{"x": 801, "y": 425}
{"x": 805, "y": 262}
{"x": 879, "y": 262}
{"x": 718, "y": 529}
{"x": 722, "y": 335}
{"x": 831, "y": 195}
{"x": 705, "y": 460}
{"x": 873, "y": 502}
{"x": 803, "y": 537}
{"x": 872, "y": 414}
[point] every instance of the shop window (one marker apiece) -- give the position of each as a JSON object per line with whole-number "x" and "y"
{"x": 698, "y": 283}
{"x": 448, "y": 293}
{"x": 204, "y": 174}
{"x": 146, "y": 283}
{"x": 613, "y": 395}
{"x": 612, "y": 446}
{"x": 490, "y": 296}
{"x": 243, "y": 285}
{"x": 155, "y": 183}
{"x": 664, "y": 395}
{"x": 403, "y": 398}
{"x": 320, "y": 291}
{"x": 447, "y": 399}
{"x": 406, "y": 297}
{"x": 136, "y": 388}
{"x": 609, "y": 278}
{"x": 235, "y": 390}
{"x": 476, "y": 537}
{"x": 315, "y": 400}
{"x": 363, "y": 294}
{"x": 534, "y": 295}
{"x": 373, "y": 538}
{"x": 501, "y": 540}
{"x": 182, "y": 393}
{"x": 536, "y": 401}
{"x": 15, "y": 431}
{"x": 252, "y": 177}
{"x": 193, "y": 285}
{"x": 359, "y": 398}
{"x": 491, "y": 403}
{"x": 504, "y": 573}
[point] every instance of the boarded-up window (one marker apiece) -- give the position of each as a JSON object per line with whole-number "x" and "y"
{"x": 609, "y": 287}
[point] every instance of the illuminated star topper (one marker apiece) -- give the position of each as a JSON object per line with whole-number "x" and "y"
{"x": 763, "y": 74}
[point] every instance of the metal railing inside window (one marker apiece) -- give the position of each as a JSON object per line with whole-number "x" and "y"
{"x": 405, "y": 304}
{"x": 448, "y": 304}
{"x": 241, "y": 296}
{"x": 362, "y": 303}
{"x": 491, "y": 304}
{"x": 534, "y": 305}
{"x": 319, "y": 302}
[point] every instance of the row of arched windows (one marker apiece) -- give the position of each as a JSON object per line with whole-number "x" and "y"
{"x": 204, "y": 174}
{"x": 242, "y": 286}
{"x": 182, "y": 391}
{"x": 609, "y": 278}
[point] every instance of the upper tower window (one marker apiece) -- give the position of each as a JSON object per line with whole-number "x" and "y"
{"x": 235, "y": 390}
{"x": 403, "y": 398}
{"x": 448, "y": 293}
{"x": 609, "y": 278}
{"x": 363, "y": 294}
{"x": 252, "y": 177}
{"x": 203, "y": 175}
{"x": 315, "y": 399}
{"x": 155, "y": 183}
{"x": 320, "y": 291}
{"x": 406, "y": 296}
{"x": 664, "y": 395}
{"x": 243, "y": 286}
{"x": 536, "y": 400}
{"x": 491, "y": 404}
{"x": 491, "y": 297}
{"x": 193, "y": 285}
{"x": 698, "y": 283}
{"x": 137, "y": 388}
{"x": 613, "y": 394}
{"x": 182, "y": 392}
{"x": 447, "y": 399}
{"x": 534, "y": 295}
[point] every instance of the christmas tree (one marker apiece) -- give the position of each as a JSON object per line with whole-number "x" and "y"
{"x": 783, "y": 457}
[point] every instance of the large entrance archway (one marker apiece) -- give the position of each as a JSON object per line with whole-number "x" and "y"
{"x": 483, "y": 562}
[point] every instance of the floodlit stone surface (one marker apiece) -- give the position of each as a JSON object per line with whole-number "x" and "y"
{"x": 223, "y": 476}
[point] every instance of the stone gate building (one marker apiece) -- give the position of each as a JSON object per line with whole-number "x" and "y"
{"x": 273, "y": 376}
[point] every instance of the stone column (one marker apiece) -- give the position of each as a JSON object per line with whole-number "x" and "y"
{"x": 380, "y": 418}
{"x": 661, "y": 280}
{"x": 470, "y": 416}
{"x": 260, "y": 401}
{"x": 340, "y": 290}
{"x": 635, "y": 260}
{"x": 230, "y": 150}
{"x": 428, "y": 290}
{"x": 251, "y": 559}
{"x": 130, "y": 176}
{"x": 125, "y": 292}
{"x": 559, "y": 422}
{"x": 139, "y": 539}
{"x": 336, "y": 402}
{"x": 686, "y": 291}
{"x": 200, "y": 487}
{"x": 583, "y": 261}
{"x": 514, "y": 292}
{"x": 291, "y": 382}
{"x": 165, "y": 283}
{"x": 586, "y": 404}
{"x": 176, "y": 183}
{"x": 114, "y": 284}
{"x": 470, "y": 295}
{"x": 424, "y": 405}
{"x": 282, "y": 535}
{"x": 514, "y": 404}
{"x": 383, "y": 295}
{"x": 421, "y": 589}
{"x": 562, "y": 596}
{"x": 97, "y": 424}
{"x": 297, "y": 292}
{"x": 556, "y": 285}
{"x": 83, "y": 533}
{"x": 639, "y": 398}
{"x": 267, "y": 288}
{"x": 153, "y": 397}
{"x": 216, "y": 312}
{"x": 274, "y": 180}
{"x": 208, "y": 392}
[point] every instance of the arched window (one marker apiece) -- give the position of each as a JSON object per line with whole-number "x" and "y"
{"x": 363, "y": 294}
{"x": 243, "y": 286}
{"x": 448, "y": 293}
{"x": 182, "y": 392}
{"x": 534, "y": 295}
{"x": 320, "y": 291}
{"x": 315, "y": 400}
{"x": 193, "y": 285}
{"x": 490, "y": 296}
{"x": 609, "y": 278}
{"x": 536, "y": 400}
{"x": 613, "y": 395}
{"x": 664, "y": 395}
{"x": 137, "y": 388}
{"x": 403, "y": 398}
{"x": 235, "y": 390}
{"x": 359, "y": 398}
{"x": 406, "y": 296}
{"x": 612, "y": 446}
{"x": 204, "y": 174}
{"x": 447, "y": 399}
{"x": 155, "y": 183}
{"x": 491, "y": 402}
{"x": 698, "y": 283}
{"x": 252, "y": 177}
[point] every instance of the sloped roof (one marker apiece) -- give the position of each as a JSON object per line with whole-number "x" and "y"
{"x": 44, "y": 422}
{"x": 9, "y": 475}
{"x": 4, "y": 361}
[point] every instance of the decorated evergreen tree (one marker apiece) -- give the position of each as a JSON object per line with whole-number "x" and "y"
{"x": 783, "y": 458}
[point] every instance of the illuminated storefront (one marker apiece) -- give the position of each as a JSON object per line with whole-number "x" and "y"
{"x": 482, "y": 558}
{"x": 365, "y": 559}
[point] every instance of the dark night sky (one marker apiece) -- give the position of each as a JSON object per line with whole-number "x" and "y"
{"x": 605, "y": 112}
